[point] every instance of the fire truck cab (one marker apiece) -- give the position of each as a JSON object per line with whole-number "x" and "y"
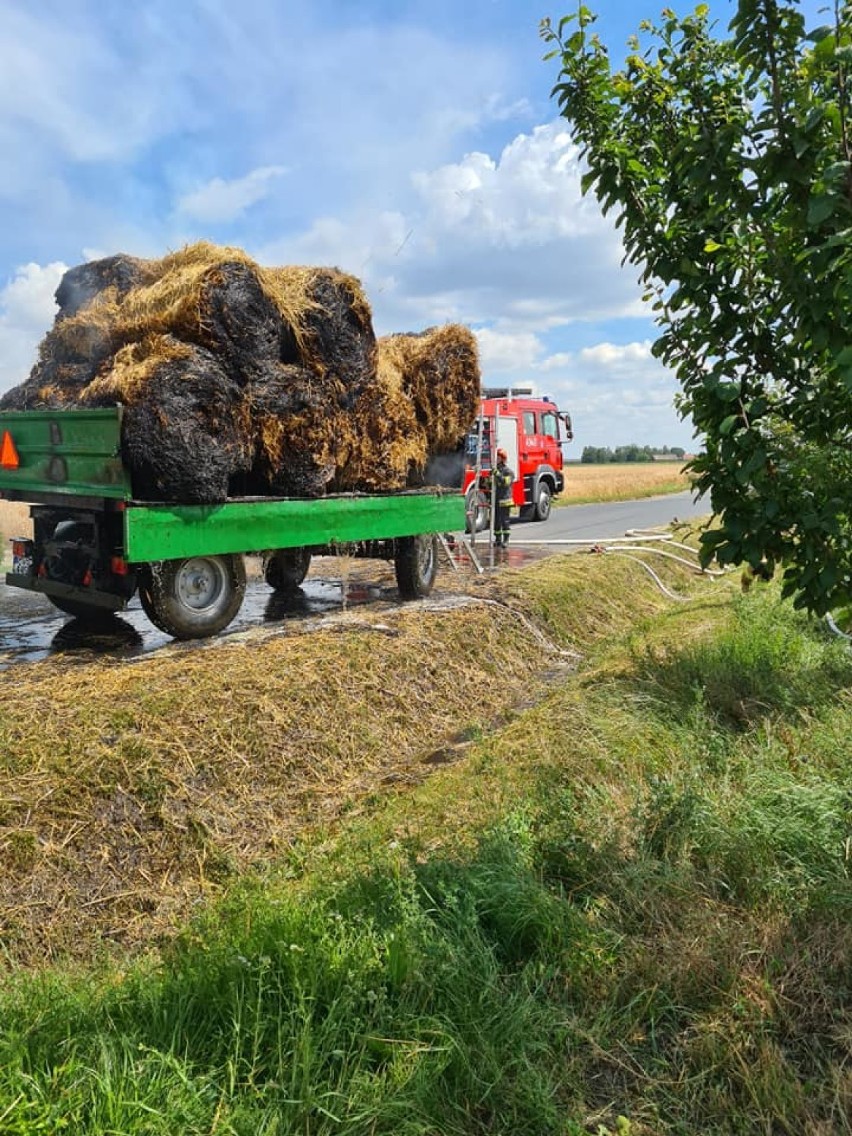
{"x": 532, "y": 431}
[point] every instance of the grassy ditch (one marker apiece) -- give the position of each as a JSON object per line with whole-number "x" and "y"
{"x": 616, "y": 900}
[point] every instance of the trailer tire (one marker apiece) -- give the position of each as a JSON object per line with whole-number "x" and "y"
{"x": 543, "y": 501}
{"x": 416, "y": 564}
{"x": 193, "y": 598}
{"x": 286, "y": 568}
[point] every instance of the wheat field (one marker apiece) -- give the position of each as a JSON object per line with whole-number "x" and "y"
{"x": 621, "y": 482}
{"x": 14, "y": 521}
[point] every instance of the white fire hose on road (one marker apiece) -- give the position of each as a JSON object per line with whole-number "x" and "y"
{"x": 630, "y": 546}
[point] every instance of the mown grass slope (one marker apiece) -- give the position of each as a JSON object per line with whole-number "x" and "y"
{"x": 618, "y": 902}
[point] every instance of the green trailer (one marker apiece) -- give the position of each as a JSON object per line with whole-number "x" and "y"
{"x": 94, "y": 546}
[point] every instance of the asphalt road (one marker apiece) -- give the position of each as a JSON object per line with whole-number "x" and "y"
{"x": 611, "y": 520}
{"x": 31, "y": 628}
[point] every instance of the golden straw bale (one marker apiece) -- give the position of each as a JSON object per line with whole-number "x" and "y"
{"x": 441, "y": 377}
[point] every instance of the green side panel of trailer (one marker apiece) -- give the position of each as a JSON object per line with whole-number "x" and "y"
{"x": 73, "y": 452}
{"x": 171, "y": 532}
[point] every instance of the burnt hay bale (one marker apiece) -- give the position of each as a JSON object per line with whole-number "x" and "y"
{"x": 386, "y": 444}
{"x": 79, "y": 285}
{"x": 54, "y": 390}
{"x": 70, "y": 357}
{"x": 219, "y": 305}
{"x": 292, "y": 426}
{"x": 182, "y": 437}
{"x": 336, "y": 330}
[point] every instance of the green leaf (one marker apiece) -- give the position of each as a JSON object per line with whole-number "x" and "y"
{"x": 820, "y": 33}
{"x": 727, "y": 392}
{"x": 820, "y": 209}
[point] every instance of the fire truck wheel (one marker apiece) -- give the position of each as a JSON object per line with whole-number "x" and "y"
{"x": 416, "y": 564}
{"x": 543, "y": 499}
{"x": 193, "y": 598}
{"x": 286, "y": 568}
{"x": 476, "y": 510}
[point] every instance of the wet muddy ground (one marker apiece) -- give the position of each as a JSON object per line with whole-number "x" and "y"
{"x": 31, "y": 629}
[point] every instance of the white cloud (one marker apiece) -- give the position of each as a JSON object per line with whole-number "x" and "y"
{"x": 618, "y": 394}
{"x": 530, "y": 196}
{"x": 27, "y": 308}
{"x": 365, "y": 244}
{"x": 507, "y": 351}
{"x": 221, "y": 201}
{"x": 614, "y": 355}
{"x": 506, "y": 242}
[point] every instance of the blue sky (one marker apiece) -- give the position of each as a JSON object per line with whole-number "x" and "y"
{"x": 412, "y": 143}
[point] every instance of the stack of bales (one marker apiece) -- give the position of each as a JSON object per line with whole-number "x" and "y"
{"x": 237, "y": 378}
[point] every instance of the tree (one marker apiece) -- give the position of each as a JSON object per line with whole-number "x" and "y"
{"x": 728, "y": 161}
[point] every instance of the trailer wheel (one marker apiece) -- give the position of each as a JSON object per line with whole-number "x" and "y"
{"x": 477, "y": 511}
{"x": 543, "y": 500}
{"x": 416, "y": 564}
{"x": 193, "y": 598}
{"x": 286, "y": 568}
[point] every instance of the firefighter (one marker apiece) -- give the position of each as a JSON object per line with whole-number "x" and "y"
{"x": 503, "y": 478}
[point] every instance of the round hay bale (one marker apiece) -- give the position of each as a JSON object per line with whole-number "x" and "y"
{"x": 388, "y": 444}
{"x": 329, "y": 322}
{"x": 217, "y": 304}
{"x": 439, "y": 377}
{"x": 79, "y": 285}
{"x": 293, "y": 425}
{"x": 181, "y": 437}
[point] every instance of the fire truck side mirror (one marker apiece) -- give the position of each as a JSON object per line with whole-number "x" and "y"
{"x": 569, "y": 430}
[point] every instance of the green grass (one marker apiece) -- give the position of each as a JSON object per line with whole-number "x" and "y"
{"x": 626, "y": 911}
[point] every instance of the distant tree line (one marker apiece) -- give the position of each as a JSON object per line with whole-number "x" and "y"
{"x": 594, "y": 455}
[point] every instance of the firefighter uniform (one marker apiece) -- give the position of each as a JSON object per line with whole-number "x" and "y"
{"x": 503, "y": 479}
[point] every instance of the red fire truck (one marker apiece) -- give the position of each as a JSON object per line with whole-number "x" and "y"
{"x": 532, "y": 432}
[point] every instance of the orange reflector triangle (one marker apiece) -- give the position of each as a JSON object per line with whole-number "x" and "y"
{"x": 8, "y": 454}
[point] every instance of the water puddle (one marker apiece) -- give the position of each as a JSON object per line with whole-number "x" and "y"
{"x": 31, "y": 629}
